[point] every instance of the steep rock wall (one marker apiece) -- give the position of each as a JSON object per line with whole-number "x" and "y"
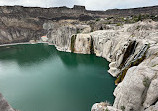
{"x": 83, "y": 44}
{"x": 126, "y": 47}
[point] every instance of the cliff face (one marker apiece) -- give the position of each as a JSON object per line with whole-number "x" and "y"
{"x": 17, "y": 26}
{"x": 21, "y": 24}
{"x": 132, "y": 50}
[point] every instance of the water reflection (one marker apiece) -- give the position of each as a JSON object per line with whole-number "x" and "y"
{"x": 26, "y": 53}
{"x": 33, "y": 54}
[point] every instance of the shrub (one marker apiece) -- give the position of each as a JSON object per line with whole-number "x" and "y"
{"x": 118, "y": 24}
{"x": 98, "y": 19}
{"x": 78, "y": 31}
{"x": 139, "y": 17}
{"x": 146, "y": 81}
{"x": 123, "y": 108}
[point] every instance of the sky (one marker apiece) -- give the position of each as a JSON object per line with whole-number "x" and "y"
{"x": 90, "y": 4}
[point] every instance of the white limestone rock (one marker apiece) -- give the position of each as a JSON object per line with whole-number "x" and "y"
{"x": 83, "y": 44}
{"x": 61, "y": 37}
{"x": 103, "y": 106}
{"x": 83, "y": 28}
{"x": 153, "y": 107}
{"x": 139, "y": 89}
{"x": 4, "y": 106}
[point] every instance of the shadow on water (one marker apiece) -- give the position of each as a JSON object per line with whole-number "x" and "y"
{"x": 27, "y": 53}
{"x": 35, "y": 53}
{"x": 73, "y": 59}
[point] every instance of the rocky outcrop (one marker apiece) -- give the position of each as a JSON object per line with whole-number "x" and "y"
{"x": 60, "y": 35}
{"x": 83, "y": 44}
{"x": 103, "y": 106}
{"x": 153, "y": 108}
{"x": 4, "y": 106}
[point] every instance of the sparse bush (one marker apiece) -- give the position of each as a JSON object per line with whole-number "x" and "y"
{"x": 139, "y": 17}
{"x": 118, "y": 24}
{"x": 110, "y": 18}
{"x": 123, "y": 108}
{"x": 138, "y": 27}
{"x": 98, "y": 19}
{"x": 78, "y": 31}
{"x": 146, "y": 81}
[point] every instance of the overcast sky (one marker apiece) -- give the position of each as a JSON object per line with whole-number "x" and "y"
{"x": 90, "y": 4}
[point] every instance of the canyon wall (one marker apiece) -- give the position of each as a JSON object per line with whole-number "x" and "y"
{"x": 132, "y": 50}
{"x": 21, "y": 24}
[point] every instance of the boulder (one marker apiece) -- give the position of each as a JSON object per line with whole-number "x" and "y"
{"x": 103, "y": 106}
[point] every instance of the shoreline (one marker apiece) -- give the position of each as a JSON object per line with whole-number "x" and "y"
{"x": 25, "y": 43}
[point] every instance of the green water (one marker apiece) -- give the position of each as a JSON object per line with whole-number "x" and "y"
{"x": 40, "y": 78}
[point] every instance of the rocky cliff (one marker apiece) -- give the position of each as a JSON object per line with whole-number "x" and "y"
{"x": 21, "y": 24}
{"x": 132, "y": 50}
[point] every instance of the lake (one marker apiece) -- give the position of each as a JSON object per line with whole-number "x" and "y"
{"x": 37, "y": 77}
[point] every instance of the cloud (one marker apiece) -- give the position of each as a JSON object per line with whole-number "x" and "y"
{"x": 90, "y": 4}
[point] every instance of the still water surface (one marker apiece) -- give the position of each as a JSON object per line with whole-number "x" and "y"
{"x": 40, "y": 78}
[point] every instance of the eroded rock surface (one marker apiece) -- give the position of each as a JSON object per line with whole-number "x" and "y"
{"x": 132, "y": 50}
{"x": 103, "y": 107}
{"x": 4, "y": 106}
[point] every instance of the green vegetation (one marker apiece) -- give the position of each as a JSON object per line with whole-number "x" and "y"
{"x": 78, "y": 31}
{"x": 139, "y": 17}
{"x": 118, "y": 24}
{"x": 120, "y": 20}
{"x": 98, "y": 19}
{"x": 106, "y": 110}
{"x": 146, "y": 81}
{"x": 154, "y": 65}
{"x": 138, "y": 27}
{"x": 73, "y": 39}
{"x": 110, "y": 18}
{"x": 123, "y": 108}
